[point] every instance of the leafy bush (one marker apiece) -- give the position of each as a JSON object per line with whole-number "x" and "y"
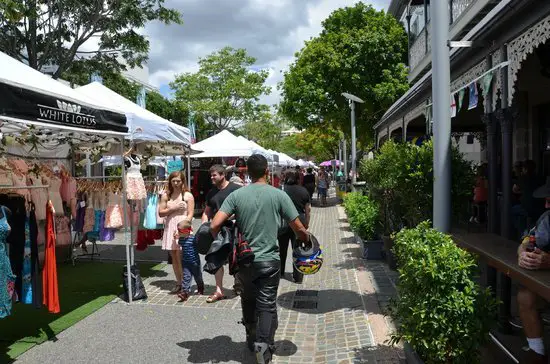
{"x": 362, "y": 214}
{"x": 440, "y": 310}
{"x": 400, "y": 180}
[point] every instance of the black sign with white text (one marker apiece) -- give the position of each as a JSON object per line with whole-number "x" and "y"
{"x": 20, "y": 103}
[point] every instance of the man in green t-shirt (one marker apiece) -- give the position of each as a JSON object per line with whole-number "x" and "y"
{"x": 259, "y": 210}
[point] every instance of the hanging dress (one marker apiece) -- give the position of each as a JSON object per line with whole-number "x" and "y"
{"x": 7, "y": 278}
{"x": 26, "y": 291}
{"x": 50, "y": 295}
{"x": 39, "y": 197}
{"x": 135, "y": 186}
{"x": 150, "y": 220}
{"x": 55, "y": 194}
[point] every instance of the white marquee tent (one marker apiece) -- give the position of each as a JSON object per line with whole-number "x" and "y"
{"x": 223, "y": 144}
{"x": 143, "y": 125}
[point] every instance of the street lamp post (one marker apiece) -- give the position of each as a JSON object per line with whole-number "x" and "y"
{"x": 352, "y": 100}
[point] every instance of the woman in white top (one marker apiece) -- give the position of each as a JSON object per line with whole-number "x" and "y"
{"x": 176, "y": 205}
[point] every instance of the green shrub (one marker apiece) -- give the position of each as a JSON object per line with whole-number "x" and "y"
{"x": 400, "y": 180}
{"x": 362, "y": 214}
{"x": 440, "y": 310}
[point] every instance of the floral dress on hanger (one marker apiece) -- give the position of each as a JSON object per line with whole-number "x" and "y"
{"x": 135, "y": 186}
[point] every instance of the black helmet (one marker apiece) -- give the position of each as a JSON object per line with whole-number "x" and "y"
{"x": 203, "y": 238}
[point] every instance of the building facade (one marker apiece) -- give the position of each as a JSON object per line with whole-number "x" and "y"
{"x": 499, "y": 86}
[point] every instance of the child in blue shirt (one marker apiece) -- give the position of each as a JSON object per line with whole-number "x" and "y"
{"x": 190, "y": 261}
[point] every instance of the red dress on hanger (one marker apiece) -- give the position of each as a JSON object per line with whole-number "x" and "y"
{"x": 50, "y": 296}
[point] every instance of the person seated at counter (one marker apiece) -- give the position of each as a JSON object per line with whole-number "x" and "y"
{"x": 533, "y": 254}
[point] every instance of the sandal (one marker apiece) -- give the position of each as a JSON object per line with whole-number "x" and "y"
{"x": 215, "y": 297}
{"x": 183, "y": 296}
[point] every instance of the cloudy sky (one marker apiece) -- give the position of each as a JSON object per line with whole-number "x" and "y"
{"x": 270, "y": 30}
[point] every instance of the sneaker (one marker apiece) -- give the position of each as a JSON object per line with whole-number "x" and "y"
{"x": 264, "y": 353}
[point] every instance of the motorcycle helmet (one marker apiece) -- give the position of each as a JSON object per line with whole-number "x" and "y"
{"x": 308, "y": 256}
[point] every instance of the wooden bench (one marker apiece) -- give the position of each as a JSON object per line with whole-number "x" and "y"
{"x": 501, "y": 254}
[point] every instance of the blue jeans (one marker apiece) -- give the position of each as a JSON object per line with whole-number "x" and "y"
{"x": 191, "y": 271}
{"x": 191, "y": 264}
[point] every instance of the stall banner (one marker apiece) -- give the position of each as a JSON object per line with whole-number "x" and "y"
{"x": 174, "y": 166}
{"x": 24, "y": 104}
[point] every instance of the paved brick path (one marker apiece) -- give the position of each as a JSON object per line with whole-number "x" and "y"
{"x": 333, "y": 317}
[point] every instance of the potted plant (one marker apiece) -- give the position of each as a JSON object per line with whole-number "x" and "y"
{"x": 440, "y": 310}
{"x": 363, "y": 216}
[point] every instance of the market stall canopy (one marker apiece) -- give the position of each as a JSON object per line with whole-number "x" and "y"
{"x": 33, "y": 98}
{"x": 329, "y": 163}
{"x": 284, "y": 159}
{"x": 256, "y": 148}
{"x": 223, "y": 144}
{"x": 144, "y": 126}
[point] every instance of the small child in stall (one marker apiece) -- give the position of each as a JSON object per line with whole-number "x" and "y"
{"x": 190, "y": 260}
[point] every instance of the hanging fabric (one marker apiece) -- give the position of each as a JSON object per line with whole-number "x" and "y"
{"x": 150, "y": 220}
{"x": 453, "y": 106}
{"x": 36, "y": 279}
{"x": 461, "y": 94}
{"x": 50, "y": 295}
{"x": 486, "y": 83}
{"x": 26, "y": 291}
{"x": 7, "y": 278}
{"x": 473, "y": 96}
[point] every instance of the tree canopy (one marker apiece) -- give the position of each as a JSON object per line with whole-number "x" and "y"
{"x": 361, "y": 51}
{"x": 265, "y": 129}
{"x": 225, "y": 91}
{"x": 319, "y": 142}
{"x": 45, "y": 33}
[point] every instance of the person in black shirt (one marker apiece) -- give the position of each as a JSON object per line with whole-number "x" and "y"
{"x": 214, "y": 200}
{"x": 309, "y": 182}
{"x": 302, "y": 201}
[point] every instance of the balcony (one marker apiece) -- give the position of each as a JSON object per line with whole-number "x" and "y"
{"x": 462, "y": 13}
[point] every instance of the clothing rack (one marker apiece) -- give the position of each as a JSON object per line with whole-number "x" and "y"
{"x": 100, "y": 177}
{"x": 4, "y": 187}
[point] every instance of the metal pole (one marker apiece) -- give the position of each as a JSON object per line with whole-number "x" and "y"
{"x": 88, "y": 165}
{"x": 125, "y": 214}
{"x": 441, "y": 86}
{"x": 353, "y": 147}
{"x": 340, "y": 153}
{"x": 345, "y": 162}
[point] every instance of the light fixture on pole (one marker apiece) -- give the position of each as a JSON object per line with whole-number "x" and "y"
{"x": 352, "y": 100}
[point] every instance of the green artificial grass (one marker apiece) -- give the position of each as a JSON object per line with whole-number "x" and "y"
{"x": 83, "y": 289}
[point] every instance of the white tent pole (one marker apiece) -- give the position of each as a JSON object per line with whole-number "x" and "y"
{"x": 125, "y": 214}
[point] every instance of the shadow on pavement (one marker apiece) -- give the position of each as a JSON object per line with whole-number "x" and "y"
{"x": 322, "y": 301}
{"x": 223, "y": 349}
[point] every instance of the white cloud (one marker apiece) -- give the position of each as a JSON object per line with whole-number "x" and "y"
{"x": 271, "y": 31}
